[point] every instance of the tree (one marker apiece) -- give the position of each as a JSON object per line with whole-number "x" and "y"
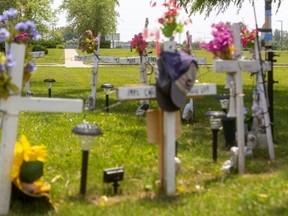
{"x": 38, "y": 11}
{"x": 99, "y": 16}
{"x": 207, "y": 6}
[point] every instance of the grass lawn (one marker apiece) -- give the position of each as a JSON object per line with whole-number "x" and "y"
{"x": 202, "y": 189}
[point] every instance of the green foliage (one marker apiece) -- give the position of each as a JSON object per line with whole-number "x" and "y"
{"x": 99, "y": 16}
{"x": 208, "y": 6}
{"x": 105, "y": 44}
{"x": 40, "y": 48}
{"x": 45, "y": 43}
{"x": 39, "y": 11}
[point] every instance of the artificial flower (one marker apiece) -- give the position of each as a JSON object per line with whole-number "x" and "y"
{"x": 247, "y": 37}
{"x": 139, "y": 43}
{"x": 6, "y": 85}
{"x": 222, "y": 44}
{"x": 88, "y": 44}
{"x": 20, "y": 33}
{"x": 27, "y": 167}
{"x": 169, "y": 22}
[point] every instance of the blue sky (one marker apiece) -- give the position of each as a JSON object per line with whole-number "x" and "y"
{"x": 133, "y": 14}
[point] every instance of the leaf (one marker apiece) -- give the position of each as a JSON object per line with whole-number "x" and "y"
{"x": 31, "y": 171}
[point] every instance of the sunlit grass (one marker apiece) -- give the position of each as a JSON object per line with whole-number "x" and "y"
{"x": 201, "y": 188}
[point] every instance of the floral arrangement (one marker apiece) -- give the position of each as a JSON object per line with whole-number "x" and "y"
{"x": 89, "y": 43}
{"x": 247, "y": 37}
{"x": 222, "y": 44}
{"x": 139, "y": 43}
{"x": 169, "y": 22}
{"x": 20, "y": 33}
{"x": 28, "y": 166}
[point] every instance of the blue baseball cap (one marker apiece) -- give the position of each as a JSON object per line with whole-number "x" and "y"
{"x": 176, "y": 76}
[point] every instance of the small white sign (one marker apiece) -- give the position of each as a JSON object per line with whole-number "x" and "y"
{"x": 112, "y": 37}
{"x": 85, "y": 58}
{"x": 129, "y": 60}
{"x": 136, "y": 92}
{"x": 104, "y": 59}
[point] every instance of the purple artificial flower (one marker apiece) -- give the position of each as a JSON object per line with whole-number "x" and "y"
{"x": 2, "y": 68}
{"x": 31, "y": 66}
{"x": 10, "y": 60}
{"x": 30, "y": 25}
{"x": 4, "y": 34}
{"x": 3, "y": 18}
{"x": 35, "y": 35}
{"x": 11, "y": 13}
{"x": 21, "y": 26}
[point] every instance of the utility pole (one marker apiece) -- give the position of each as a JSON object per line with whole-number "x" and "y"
{"x": 269, "y": 55}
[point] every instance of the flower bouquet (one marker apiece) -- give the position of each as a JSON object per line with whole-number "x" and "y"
{"x": 28, "y": 167}
{"x": 88, "y": 44}
{"x": 222, "y": 45}
{"x": 139, "y": 43}
{"x": 20, "y": 33}
{"x": 169, "y": 19}
{"x": 247, "y": 37}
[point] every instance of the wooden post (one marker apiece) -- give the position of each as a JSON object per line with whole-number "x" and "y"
{"x": 169, "y": 184}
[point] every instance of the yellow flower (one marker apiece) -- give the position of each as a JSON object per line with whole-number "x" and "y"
{"x": 25, "y": 152}
{"x": 2, "y": 59}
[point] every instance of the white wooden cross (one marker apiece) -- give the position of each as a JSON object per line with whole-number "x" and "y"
{"x": 11, "y": 109}
{"x": 234, "y": 69}
{"x": 148, "y": 92}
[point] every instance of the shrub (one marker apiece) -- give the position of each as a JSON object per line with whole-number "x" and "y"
{"x": 105, "y": 44}
{"x": 39, "y": 48}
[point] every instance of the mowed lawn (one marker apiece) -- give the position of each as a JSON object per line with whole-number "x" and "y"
{"x": 202, "y": 189}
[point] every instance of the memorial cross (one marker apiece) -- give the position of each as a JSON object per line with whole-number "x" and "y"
{"x": 167, "y": 171}
{"x": 11, "y": 109}
{"x": 233, "y": 70}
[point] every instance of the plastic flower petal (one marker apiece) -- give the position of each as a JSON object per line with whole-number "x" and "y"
{"x": 31, "y": 67}
{"x": 21, "y": 26}
{"x": 11, "y": 13}
{"x": 10, "y": 60}
{"x": 4, "y": 34}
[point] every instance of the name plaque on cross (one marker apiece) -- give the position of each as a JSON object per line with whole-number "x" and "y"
{"x": 138, "y": 92}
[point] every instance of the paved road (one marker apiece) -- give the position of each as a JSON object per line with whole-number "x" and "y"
{"x": 70, "y": 62}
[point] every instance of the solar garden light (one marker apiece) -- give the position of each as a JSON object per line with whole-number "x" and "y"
{"x": 224, "y": 101}
{"x": 215, "y": 118}
{"x": 114, "y": 175}
{"x": 228, "y": 123}
{"x": 107, "y": 88}
{"x": 86, "y": 133}
{"x": 49, "y": 82}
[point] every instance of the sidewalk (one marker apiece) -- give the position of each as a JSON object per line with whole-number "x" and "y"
{"x": 70, "y": 62}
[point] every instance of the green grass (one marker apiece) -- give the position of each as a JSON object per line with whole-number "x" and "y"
{"x": 55, "y": 56}
{"x": 201, "y": 188}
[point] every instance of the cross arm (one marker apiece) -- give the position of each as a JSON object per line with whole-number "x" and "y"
{"x": 41, "y": 104}
{"x": 239, "y": 65}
